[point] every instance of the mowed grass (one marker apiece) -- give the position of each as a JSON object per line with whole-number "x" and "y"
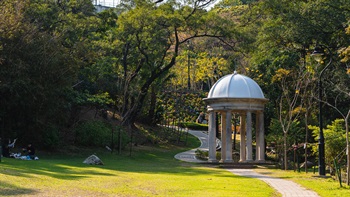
{"x": 149, "y": 171}
{"x": 324, "y": 186}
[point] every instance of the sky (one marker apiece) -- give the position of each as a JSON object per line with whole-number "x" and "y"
{"x": 109, "y": 3}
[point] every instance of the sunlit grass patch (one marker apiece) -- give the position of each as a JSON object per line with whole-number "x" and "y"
{"x": 149, "y": 171}
{"x": 324, "y": 186}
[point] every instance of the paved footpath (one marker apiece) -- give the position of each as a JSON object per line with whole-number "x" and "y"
{"x": 285, "y": 187}
{"x": 190, "y": 156}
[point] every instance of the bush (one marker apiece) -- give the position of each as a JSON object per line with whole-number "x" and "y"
{"x": 94, "y": 133}
{"x": 193, "y": 126}
{"x": 335, "y": 140}
{"x": 203, "y": 155}
{"x": 51, "y": 137}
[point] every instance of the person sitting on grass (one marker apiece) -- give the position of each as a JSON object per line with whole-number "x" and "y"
{"x": 30, "y": 150}
{"x": 7, "y": 148}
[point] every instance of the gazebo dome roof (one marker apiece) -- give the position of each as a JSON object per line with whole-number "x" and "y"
{"x": 236, "y": 86}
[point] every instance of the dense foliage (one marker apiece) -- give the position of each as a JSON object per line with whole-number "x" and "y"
{"x": 334, "y": 138}
{"x": 94, "y": 133}
{"x": 41, "y": 50}
{"x": 194, "y": 126}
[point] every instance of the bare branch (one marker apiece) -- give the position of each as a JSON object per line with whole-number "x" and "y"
{"x": 199, "y": 4}
{"x": 158, "y": 1}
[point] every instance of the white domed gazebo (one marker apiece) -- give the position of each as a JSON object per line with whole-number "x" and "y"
{"x": 239, "y": 94}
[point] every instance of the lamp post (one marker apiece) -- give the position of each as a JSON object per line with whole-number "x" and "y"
{"x": 318, "y": 55}
{"x": 216, "y": 77}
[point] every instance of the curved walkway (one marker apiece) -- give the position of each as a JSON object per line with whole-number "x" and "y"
{"x": 190, "y": 156}
{"x": 285, "y": 187}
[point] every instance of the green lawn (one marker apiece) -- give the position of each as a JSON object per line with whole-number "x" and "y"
{"x": 148, "y": 172}
{"x": 324, "y": 186}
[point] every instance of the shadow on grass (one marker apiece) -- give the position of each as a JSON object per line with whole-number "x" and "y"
{"x": 54, "y": 169}
{"x": 11, "y": 190}
{"x": 142, "y": 160}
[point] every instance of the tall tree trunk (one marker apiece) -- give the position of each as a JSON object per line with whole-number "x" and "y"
{"x": 285, "y": 150}
{"x": 130, "y": 116}
{"x": 348, "y": 152}
{"x": 125, "y": 103}
{"x": 137, "y": 104}
{"x": 152, "y": 108}
{"x": 306, "y": 138}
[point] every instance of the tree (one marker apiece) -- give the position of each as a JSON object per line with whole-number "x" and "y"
{"x": 40, "y": 56}
{"x": 290, "y": 103}
{"x": 286, "y": 31}
{"x": 343, "y": 110}
{"x": 345, "y": 53}
{"x": 277, "y": 137}
{"x": 202, "y": 69}
{"x": 147, "y": 41}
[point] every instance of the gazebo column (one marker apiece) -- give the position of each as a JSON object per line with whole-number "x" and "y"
{"x": 261, "y": 140}
{"x": 242, "y": 152}
{"x": 223, "y": 136}
{"x": 228, "y": 141}
{"x": 249, "y": 137}
{"x": 257, "y": 137}
{"x": 212, "y": 137}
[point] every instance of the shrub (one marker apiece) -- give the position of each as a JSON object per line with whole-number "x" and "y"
{"x": 93, "y": 133}
{"x": 335, "y": 140}
{"x": 193, "y": 126}
{"x": 203, "y": 155}
{"x": 51, "y": 137}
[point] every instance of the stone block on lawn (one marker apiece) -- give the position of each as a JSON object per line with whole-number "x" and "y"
{"x": 93, "y": 160}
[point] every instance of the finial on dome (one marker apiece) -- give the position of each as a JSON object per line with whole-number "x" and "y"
{"x": 235, "y": 72}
